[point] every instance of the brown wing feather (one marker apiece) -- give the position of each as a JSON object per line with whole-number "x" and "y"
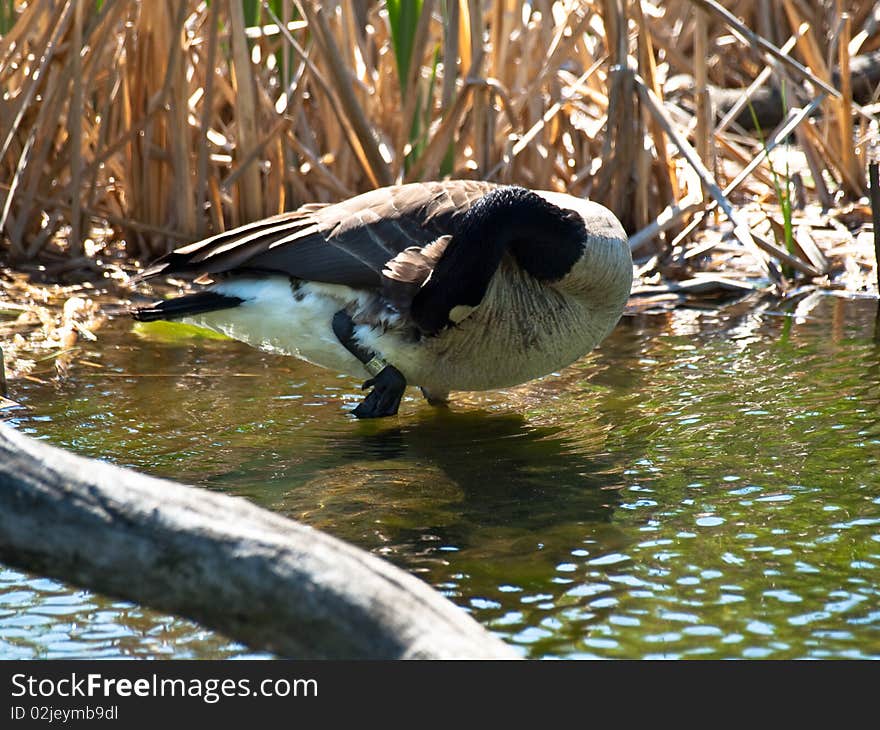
{"x": 404, "y": 275}
{"x": 345, "y": 243}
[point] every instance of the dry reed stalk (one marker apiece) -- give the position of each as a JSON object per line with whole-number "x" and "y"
{"x": 502, "y": 21}
{"x": 643, "y": 199}
{"x": 178, "y": 124}
{"x": 750, "y": 163}
{"x": 669, "y": 218}
{"x": 6, "y": 215}
{"x": 764, "y": 45}
{"x": 759, "y": 81}
{"x": 52, "y": 205}
{"x": 108, "y": 88}
{"x": 325, "y": 176}
{"x": 218, "y": 222}
{"x": 806, "y": 246}
{"x": 665, "y": 168}
{"x": 257, "y": 150}
{"x": 74, "y": 126}
{"x": 678, "y": 61}
{"x": 271, "y": 30}
{"x": 817, "y": 169}
{"x": 428, "y": 165}
{"x": 560, "y": 47}
{"x": 868, "y": 28}
{"x": 149, "y": 58}
{"x": 526, "y": 51}
{"x": 764, "y": 20}
{"x": 793, "y": 124}
{"x": 413, "y": 94}
{"x": 740, "y": 230}
{"x": 465, "y": 45}
{"x": 510, "y": 98}
{"x": 52, "y": 36}
{"x": 337, "y": 32}
{"x": 701, "y": 88}
{"x": 526, "y": 139}
{"x": 207, "y": 114}
{"x": 35, "y": 158}
{"x": 809, "y": 47}
{"x": 807, "y": 41}
{"x": 783, "y": 256}
{"x": 328, "y": 99}
{"x": 829, "y": 155}
{"x": 364, "y": 140}
{"x": 21, "y": 29}
{"x": 286, "y": 10}
{"x": 277, "y": 195}
{"x": 450, "y": 54}
{"x": 845, "y": 110}
{"x": 247, "y": 115}
{"x": 479, "y": 98}
{"x": 617, "y": 174}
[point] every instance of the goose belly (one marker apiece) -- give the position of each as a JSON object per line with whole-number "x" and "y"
{"x": 284, "y": 319}
{"x": 495, "y": 348}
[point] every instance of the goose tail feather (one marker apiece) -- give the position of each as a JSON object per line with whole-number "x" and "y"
{"x": 185, "y": 306}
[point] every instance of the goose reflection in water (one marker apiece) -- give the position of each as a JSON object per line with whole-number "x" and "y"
{"x": 457, "y": 476}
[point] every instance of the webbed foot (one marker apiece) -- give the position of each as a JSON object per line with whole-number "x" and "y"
{"x": 384, "y": 398}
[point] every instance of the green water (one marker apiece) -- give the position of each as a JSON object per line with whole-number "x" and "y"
{"x": 703, "y": 485}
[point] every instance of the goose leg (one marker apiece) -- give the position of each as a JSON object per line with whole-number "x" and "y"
{"x": 439, "y": 399}
{"x": 388, "y": 384}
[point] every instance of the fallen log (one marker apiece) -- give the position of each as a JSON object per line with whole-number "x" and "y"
{"x": 269, "y": 582}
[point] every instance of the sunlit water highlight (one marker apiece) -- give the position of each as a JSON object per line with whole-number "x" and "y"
{"x": 703, "y": 485}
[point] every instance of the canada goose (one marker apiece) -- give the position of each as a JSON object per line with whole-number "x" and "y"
{"x": 456, "y": 285}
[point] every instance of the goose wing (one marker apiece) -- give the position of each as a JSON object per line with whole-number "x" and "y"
{"x": 346, "y": 243}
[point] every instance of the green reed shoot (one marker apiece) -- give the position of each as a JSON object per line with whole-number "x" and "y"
{"x": 784, "y": 194}
{"x": 7, "y": 15}
{"x": 403, "y": 19}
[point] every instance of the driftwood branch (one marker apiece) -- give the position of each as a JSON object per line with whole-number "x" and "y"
{"x": 259, "y": 578}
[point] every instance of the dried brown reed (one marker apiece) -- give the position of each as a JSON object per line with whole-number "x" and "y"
{"x": 149, "y": 124}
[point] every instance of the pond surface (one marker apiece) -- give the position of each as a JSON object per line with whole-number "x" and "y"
{"x": 703, "y": 485}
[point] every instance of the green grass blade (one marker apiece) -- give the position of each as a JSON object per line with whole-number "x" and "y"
{"x": 421, "y": 121}
{"x": 783, "y": 196}
{"x": 7, "y": 16}
{"x": 251, "y": 11}
{"x": 403, "y": 18}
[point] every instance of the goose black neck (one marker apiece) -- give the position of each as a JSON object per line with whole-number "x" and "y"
{"x": 545, "y": 240}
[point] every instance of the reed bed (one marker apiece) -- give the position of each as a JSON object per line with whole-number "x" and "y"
{"x": 128, "y": 127}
